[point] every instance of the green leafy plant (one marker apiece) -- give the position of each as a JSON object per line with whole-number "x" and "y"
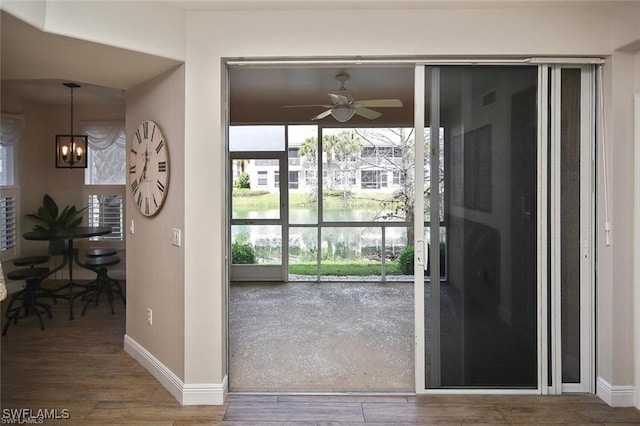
{"x": 405, "y": 261}
{"x": 243, "y": 254}
{"x": 243, "y": 180}
{"x": 49, "y": 217}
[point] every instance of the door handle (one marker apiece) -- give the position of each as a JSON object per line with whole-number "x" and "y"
{"x": 419, "y": 253}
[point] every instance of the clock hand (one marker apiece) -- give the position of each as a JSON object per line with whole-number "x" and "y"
{"x": 144, "y": 169}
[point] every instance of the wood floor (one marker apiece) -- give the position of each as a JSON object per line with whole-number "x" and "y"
{"x": 80, "y": 366}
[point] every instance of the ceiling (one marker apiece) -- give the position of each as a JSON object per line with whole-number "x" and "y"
{"x": 35, "y": 64}
{"x": 257, "y": 95}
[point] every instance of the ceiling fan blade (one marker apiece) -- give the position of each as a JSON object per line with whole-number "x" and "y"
{"x": 322, "y": 115}
{"x": 307, "y": 106}
{"x": 338, "y": 99}
{"x": 367, "y": 113}
{"x": 379, "y": 103}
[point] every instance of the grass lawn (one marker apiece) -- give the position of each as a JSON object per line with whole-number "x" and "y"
{"x": 344, "y": 268}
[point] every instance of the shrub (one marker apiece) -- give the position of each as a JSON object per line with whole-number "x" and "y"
{"x": 243, "y": 254}
{"x": 405, "y": 261}
{"x": 243, "y": 180}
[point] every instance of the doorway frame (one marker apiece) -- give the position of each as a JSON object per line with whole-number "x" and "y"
{"x": 544, "y": 241}
{"x": 279, "y": 273}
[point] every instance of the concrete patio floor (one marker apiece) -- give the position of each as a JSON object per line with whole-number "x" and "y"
{"x": 321, "y": 337}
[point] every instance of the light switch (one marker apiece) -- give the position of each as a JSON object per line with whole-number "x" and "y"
{"x": 176, "y": 237}
{"x": 131, "y": 228}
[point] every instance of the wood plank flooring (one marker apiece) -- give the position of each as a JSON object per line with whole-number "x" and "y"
{"x": 80, "y": 366}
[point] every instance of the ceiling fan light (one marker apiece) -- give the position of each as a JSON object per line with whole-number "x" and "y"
{"x": 342, "y": 113}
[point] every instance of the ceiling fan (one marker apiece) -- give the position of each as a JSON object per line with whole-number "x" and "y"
{"x": 345, "y": 106}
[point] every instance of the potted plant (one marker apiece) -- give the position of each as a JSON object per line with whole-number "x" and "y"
{"x": 49, "y": 217}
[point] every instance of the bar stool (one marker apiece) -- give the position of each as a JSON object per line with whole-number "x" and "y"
{"x": 102, "y": 283}
{"x": 102, "y": 251}
{"x": 31, "y": 260}
{"x": 27, "y": 297}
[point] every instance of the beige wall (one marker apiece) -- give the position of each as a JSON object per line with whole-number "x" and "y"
{"x": 214, "y": 36}
{"x": 615, "y": 278}
{"x": 155, "y": 272}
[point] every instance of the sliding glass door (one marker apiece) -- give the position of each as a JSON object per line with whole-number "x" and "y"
{"x": 480, "y": 318}
{"x": 571, "y": 231}
{"x": 258, "y": 198}
{"x": 508, "y": 160}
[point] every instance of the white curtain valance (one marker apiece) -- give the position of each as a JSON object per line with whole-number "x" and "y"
{"x": 103, "y": 134}
{"x": 10, "y": 129}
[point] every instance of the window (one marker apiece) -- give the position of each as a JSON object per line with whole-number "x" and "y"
{"x": 398, "y": 177}
{"x": 294, "y": 157}
{"x": 310, "y": 177}
{"x": 293, "y": 179}
{"x": 256, "y": 138}
{"x": 10, "y": 134}
{"x": 8, "y": 223}
{"x": 6, "y": 165}
{"x": 276, "y": 178}
{"x": 269, "y": 162}
{"x": 105, "y": 177}
{"x": 385, "y": 151}
{"x": 107, "y": 158}
{"x": 369, "y": 151}
{"x": 262, "y": 178}
{"x": 106, "y": 210}
{"x": 370, "y": 179}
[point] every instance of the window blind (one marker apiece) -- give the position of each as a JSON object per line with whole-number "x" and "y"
{"x": 8, "y": 223}
{"x": 106, "y": 210}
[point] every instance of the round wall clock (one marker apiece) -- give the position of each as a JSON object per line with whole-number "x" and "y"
{"x": 149, "y": 168}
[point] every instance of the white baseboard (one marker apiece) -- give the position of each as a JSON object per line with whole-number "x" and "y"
{"x": 186, "y": 394}
{"x": 616, "y": 396}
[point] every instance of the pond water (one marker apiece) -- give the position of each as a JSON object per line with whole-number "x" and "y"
{"x": 337, "y": 242}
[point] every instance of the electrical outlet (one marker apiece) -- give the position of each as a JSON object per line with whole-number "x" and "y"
{"x": 149, "y": 316}
{"x": 176, "y": 237}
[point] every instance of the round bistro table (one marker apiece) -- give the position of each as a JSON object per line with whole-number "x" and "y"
{"x": 69, "y": 234}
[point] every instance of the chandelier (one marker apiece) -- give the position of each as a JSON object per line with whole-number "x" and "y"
{"x": 71, "y": 150}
